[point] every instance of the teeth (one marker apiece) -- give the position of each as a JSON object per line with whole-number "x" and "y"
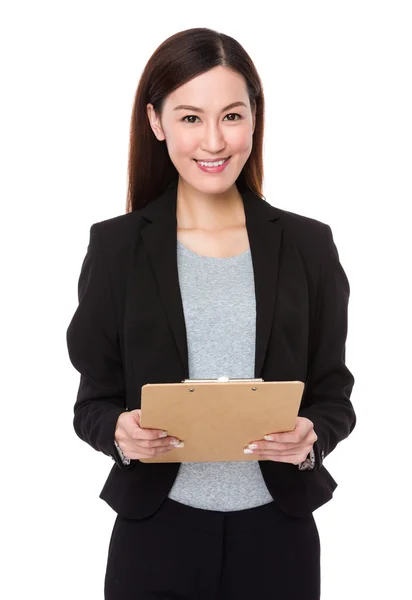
{"x": 212, "y": 164}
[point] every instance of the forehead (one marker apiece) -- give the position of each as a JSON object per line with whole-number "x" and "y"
{"x": 215, "y": 88}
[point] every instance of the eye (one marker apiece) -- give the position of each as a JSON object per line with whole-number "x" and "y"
{"x": 233, "y": 115}
{"x": 189, "y": 117}
{"x": 195, "y": 117}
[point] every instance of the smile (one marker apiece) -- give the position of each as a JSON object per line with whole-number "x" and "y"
{"x": 213, "y": 166}
{"x": 209, "y": 163}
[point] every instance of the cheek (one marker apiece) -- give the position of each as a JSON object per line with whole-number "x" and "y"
{"x": 240, "y": 141}
{"x": 182, "y": 143}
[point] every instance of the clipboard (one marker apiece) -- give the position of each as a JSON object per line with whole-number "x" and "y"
{"x": 217, "y": 418}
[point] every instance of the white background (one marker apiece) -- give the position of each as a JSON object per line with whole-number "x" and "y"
{"x": 337, "y": 82}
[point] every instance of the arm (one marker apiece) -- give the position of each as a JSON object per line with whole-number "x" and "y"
{"x": 93, "y": 346}
{"x": 326, "y": 399}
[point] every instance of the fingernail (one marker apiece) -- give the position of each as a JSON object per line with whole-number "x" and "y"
{"x": 247, "y": 451}
{"x": 163, "y": 434}
{"x": 269, "y": 438}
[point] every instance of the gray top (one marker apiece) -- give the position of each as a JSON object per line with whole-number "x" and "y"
{"x": 218, "y": 298}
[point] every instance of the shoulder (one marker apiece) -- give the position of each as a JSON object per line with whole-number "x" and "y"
{"x": 118, "y": 233}
{"x": 308, "y": 233}
{"x": 121, "y": 225}
{"x": 313, "y": 238}
{"x": 115, "y": 239}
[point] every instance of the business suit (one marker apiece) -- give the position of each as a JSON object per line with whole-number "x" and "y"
{"x": 129, "y": 330}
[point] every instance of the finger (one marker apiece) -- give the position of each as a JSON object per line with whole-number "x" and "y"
{"x": 162, "y": 443}
{"x": 287, "y": 437}
{"x": 299, "y": 432}
{"x": 140, "y": 433}
{"x": 283, "y": 448}
{"x": 145, "y": 433}
{"x": 277, "y": 445}
{"x": 147, "y": 453}
{"x": 287, "y": 458}
{"x": 309, "y": 438}
{"x": 151, "y": 447}
{"x": 280, "y": 453}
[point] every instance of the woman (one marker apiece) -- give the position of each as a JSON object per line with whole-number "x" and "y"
{"x": 202, "y": 277}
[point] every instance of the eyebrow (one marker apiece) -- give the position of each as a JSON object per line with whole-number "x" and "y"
{"x": 196, "y": 109}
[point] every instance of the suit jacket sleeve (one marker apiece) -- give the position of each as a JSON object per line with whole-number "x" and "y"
{"x": 93, "y": 347}
{"x": 329, "y": 383}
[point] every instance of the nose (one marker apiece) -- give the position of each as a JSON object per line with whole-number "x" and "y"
{"x": 213, "y": 139}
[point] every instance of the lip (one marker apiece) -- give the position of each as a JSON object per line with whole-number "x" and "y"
{"x": 213, "y": 169}
{"x": 211, "y": 159}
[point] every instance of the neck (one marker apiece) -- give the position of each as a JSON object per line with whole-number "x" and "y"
{"x": 197, "y": 210}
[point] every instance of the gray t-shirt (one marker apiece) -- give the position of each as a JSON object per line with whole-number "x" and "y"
{"x": 218, "y": 296}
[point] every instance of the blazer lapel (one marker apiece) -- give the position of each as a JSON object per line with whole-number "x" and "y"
{"x": 159, "y": 237}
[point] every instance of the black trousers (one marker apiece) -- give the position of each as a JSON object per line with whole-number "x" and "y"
{"x": 187, "y": 553}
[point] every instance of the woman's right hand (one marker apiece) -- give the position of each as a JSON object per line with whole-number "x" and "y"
{"x": 136, "y": 442}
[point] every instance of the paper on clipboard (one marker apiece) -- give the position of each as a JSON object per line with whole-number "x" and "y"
{"x": 218, "y": 418}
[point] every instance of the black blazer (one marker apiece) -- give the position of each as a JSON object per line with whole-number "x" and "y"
{"x": 129, "y": 329}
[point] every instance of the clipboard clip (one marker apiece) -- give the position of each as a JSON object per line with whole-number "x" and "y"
{"x": 223, "y": 379}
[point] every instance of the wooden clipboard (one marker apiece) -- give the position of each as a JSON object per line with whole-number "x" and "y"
{"x": 218, "y": 418}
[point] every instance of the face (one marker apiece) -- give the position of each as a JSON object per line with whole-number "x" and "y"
{"x": 208, "y": 130}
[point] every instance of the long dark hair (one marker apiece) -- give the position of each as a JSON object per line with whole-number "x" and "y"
{"x": 178, "y": 59}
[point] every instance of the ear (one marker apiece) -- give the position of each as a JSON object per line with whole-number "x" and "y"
{"x": 155, "y": 123}
{"x": 254, "y": 117}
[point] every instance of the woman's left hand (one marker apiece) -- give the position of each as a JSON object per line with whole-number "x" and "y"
{"x": 289, "y": 446}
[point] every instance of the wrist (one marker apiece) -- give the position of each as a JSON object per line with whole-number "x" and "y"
{"x": 309, "y": 463}
{"x": 125, "y": 459}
